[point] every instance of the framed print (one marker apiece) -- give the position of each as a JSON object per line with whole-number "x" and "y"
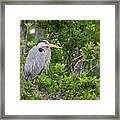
{"x": 60, "y": 59}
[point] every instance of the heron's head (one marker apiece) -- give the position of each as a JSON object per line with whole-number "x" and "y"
{"x": 45, "y": 45}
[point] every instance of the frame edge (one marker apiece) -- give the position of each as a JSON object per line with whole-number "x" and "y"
{"x": 2, "y": 77}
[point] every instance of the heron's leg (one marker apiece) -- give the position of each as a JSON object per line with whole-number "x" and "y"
{"x": 33, "y": 81}
{"x": 34, "y": 86}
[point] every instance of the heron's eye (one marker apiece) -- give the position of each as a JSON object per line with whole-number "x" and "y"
{"x": 41, "y": 49}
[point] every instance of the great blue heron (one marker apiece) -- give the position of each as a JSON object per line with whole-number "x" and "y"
{"x": 38, "y": 59}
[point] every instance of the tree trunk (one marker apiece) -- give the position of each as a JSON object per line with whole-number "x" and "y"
{"x": 39, "y": 35}
{"x": 23, "y": 38}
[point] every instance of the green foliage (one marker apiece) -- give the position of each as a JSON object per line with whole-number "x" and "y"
{"x": 57, "y": 85}
{"x": 77, "y": 37}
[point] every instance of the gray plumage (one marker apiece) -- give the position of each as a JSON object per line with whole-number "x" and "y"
{"x": 38, "y": 59}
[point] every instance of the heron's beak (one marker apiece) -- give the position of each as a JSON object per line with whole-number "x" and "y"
{"x": 54, "y": 46}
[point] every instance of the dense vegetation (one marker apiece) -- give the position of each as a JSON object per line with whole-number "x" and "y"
{"x": 80, "y": 41}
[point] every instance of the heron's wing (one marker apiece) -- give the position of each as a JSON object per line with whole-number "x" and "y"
{"x": 35, "y": 62}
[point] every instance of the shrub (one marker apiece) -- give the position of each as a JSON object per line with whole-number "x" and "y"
{"x": 58, "y": 85}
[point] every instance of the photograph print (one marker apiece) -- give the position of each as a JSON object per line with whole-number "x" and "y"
{"x": 60, "y": 60}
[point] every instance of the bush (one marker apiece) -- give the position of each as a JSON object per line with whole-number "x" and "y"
{"x": 77, "y": 38}
{"x": 58, "y": 85}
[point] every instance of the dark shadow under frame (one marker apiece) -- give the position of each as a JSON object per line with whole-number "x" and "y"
{"x": 80, "y": 2}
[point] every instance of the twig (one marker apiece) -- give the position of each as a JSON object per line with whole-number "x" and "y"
{"x": 92, "y": 68}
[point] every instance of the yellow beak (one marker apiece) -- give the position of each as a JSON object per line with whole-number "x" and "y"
{"x": 54, "y": 46}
